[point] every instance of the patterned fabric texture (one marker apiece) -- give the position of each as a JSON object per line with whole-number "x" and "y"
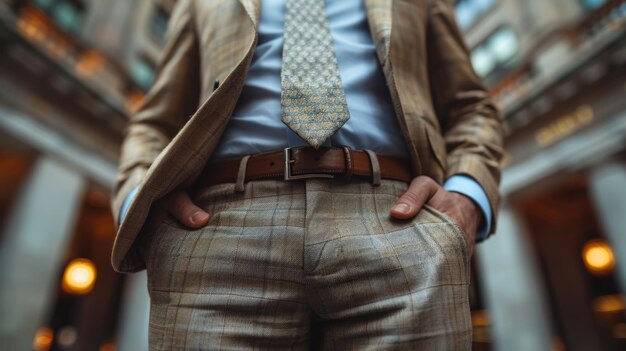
{"x": 448, "y": 121}
{"x": 313, "y": 103}
{"x": 283, "y": 257}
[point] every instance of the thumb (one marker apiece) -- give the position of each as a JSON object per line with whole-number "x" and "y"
{"x": 411, "y": 202}
{"x": 179, "y": 204}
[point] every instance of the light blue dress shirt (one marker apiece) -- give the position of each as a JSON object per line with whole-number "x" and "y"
{"x": 255, "y": 125}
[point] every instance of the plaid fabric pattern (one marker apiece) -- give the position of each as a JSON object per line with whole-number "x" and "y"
{"x": 280, "y": 253}
{"x": 448, "y": 121}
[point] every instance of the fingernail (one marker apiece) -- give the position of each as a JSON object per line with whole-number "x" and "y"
{"x": 402, "y": 208}
{"x": 198, "y": 217}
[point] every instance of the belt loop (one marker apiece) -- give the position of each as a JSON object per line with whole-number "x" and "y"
{"x": 375, "y": 167}
{"x": 348, "y": 161}
{"x": 241, "y": 174}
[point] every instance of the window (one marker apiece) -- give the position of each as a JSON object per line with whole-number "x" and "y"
{"x": 142, "y": 73}
{"x": 68, "y": 14}
{"x": 593, "y": 4}
{"x": 495, "y": 52}
{"x": 158, "y": 26}
{"x": 468, "y": 11}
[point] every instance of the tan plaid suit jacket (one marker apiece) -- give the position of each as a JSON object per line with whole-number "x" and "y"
{"x": 448, "y": 121}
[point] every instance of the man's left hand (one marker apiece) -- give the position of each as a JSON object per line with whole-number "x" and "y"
{"x": 424, "y": 190}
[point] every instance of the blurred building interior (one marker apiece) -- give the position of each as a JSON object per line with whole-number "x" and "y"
{"x": 552, "y": 278}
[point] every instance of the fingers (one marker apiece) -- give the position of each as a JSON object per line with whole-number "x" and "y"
{"x": 420, "y": 191}
{"x": 179, "y": 204}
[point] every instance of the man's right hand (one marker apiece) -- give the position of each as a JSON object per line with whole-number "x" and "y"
{"x": 179, "y": 204}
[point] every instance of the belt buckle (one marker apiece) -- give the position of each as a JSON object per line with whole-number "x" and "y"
{"x": 289, "y": 162}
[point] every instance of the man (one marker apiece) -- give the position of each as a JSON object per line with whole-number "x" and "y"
{"x": 253, "y": 95}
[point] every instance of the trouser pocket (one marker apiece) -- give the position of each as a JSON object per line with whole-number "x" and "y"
{"x": 453, "y": 229}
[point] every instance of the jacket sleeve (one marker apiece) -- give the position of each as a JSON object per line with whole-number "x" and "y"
{"x": 470, "y": 121}
{"x": 167, "y": 106}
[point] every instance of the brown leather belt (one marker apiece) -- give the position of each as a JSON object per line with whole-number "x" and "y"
{"x": 306, "y": 162}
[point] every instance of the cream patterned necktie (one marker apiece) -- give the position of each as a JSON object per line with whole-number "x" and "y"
{"x": 312, "y": 100}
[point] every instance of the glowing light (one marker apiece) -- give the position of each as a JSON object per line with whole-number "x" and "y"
{"x": 109, "y": 346}
{"x": 564, "y": 126}
{"x": 35, "y": 25}
{"x": 135, "y": 100}
{"x": 79, "y": 276}
{"x": 88, "y": 63}
{"x": 67, "y": 336}
{"x": 609, "y": 303}
{"x": 43, "y": 339}
{"x": 480, "y": 319}
{"x": 32, "y": 25}
{"x": 598, "y": 257}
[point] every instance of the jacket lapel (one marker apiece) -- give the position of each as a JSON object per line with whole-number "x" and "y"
{"x": 253, "y": 9}
{"x": 379, "y": 14}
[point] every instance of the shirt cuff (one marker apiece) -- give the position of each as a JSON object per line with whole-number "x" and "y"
{"x": 126, "y": 204}
{"x": 467, "y": 186}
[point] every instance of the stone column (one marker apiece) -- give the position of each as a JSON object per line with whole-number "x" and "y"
{"x": 36, "y": 236}
{"x": 513, "y": 291}
{"x": 608, "y": 189}
{"x": 133, "y": 329}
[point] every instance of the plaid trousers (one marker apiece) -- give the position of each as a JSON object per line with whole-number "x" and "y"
{"x": 281, "y": 257}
